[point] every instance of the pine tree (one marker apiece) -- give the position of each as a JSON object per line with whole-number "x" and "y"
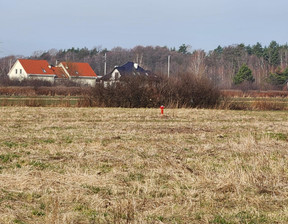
{"x": 271, "y": 53}
{"x": 244, "y": 74}
{"x": 218, "y": 50}
{"x": 184, "y": 49}
{"x": 257, "y": 49}
{"x": 278, "y": 78}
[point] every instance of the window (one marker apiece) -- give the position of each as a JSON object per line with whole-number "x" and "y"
{"x": 15, "y": 71}
{"x": 44, "y": 70}
{"x": 20, "y": 71}
{"x": 116, "y": 75}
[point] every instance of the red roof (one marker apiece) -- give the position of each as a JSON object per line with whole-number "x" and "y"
{"x": 37, "y": 67}
{"x": 79, "y": 69}
{"x": 59, "y": 72}
{"x": 42, "y": 67}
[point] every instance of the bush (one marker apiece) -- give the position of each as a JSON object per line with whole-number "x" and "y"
{"x": 5, "y": 81}
{"x": 245, "y": 86}
{"x": 188, "y": 90}
{"x": 140, "y": 91}
{"x": 135, "y": 91}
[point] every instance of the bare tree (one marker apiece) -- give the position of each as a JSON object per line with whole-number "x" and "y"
{"x": 197, "y": 65}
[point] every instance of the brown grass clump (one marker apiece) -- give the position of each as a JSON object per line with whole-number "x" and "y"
{"x": 98, "y": 165}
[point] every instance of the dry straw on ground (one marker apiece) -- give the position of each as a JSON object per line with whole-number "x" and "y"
{"x": 97, "y": 165}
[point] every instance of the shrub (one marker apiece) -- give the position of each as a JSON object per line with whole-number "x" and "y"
{"x": 188, "y": 90}
{"x": 135, "y": 91}
{"x": 26, "y": 82}
{"x": 245, "y": 86}
{"x": 140, "y": 91}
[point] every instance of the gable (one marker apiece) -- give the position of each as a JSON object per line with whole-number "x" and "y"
{"x": 17, "y": 71}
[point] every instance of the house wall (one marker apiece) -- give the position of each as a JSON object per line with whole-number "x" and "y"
{"x": 43, "y": 78}
{"x": 17, "y": 72}
{"x": 85, "y": 81}
{"x": 108, "y": 83}
{"x": 115, "y": 75}
{"x": 91, "y": 81}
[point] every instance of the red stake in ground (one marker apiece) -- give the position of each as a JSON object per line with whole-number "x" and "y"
{"x": 162, "y": 110}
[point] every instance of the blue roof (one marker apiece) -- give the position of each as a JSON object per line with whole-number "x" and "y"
{"x": 129, "y": 67}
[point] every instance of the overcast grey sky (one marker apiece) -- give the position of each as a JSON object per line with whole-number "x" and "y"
{"x": 27, "y": 26}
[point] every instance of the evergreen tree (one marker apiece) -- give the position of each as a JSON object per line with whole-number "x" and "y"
{"x": 279, "y": 78}
{"x": 184, "y": 49}
{"x": 218, "y": 50}
{"x": 244, "y": 74}
{"x": 249, "y": 50}
{"x": 257, "y": 49}
{"x": 271, "y": 53}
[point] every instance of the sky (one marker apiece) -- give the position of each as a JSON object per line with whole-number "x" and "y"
{"x": 28, "y": 26}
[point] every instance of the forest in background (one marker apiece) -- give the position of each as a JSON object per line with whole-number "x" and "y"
{"x": 268, "y": 64}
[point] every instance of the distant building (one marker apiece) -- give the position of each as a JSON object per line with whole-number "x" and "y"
{"x": 40, "y": 69}
{"x": 32, "y": 69}
{"x": 128, "y": 69}
{"x": 81, "y": 73}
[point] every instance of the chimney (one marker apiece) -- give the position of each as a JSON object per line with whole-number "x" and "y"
{"x": 135, "y": 65}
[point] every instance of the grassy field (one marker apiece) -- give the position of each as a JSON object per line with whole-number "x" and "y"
{"x": 99, "y": 165}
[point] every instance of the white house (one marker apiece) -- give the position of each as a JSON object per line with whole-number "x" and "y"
{"x": 40, "y": 69}
{"x": 32, "y": 69}
{"x": 79, "y": 72}
{"x": 128, "y": 69}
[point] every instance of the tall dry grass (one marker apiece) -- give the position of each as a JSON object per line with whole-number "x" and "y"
{"x": 253, "y": 93}
{"x": 99, "y": 165}
{"x": 255, "y": 104}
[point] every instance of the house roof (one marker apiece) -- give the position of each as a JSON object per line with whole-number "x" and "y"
{"x": 36, "y": 67}
{"x": 59, "y": 72}
{"x": 79, "y": 69}
{"x": 130, "y": 68}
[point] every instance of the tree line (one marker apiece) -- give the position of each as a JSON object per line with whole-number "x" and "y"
{"x": 267, "y": 65}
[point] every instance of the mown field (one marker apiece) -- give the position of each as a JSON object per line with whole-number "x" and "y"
{"x": 99, "y": 165}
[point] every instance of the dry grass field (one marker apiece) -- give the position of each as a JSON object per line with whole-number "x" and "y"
{"x": 99, "y": 165}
